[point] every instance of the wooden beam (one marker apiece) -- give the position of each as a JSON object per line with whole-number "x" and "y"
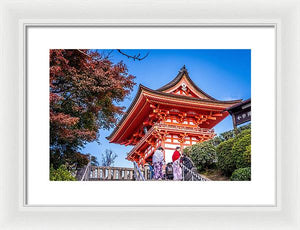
{"x": 211, "y": 118}
{"x": 218, "y": 114}
{"x": 151, "y": 115}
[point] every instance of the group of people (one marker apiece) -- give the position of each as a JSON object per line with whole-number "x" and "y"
{"x": 159, "y": 164}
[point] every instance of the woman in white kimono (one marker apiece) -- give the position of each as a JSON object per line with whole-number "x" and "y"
{"x": 158, "y": 162}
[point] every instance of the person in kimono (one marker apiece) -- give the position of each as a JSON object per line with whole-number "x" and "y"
{"x": 158, "y": 162}
{"x": 177, "y": 171}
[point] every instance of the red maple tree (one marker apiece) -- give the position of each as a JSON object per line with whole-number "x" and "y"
{"x": 84, "y": 90}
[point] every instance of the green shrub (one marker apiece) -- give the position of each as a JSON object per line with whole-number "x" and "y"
{"x": 202, "y": 154}
{"x": 230, "y": 134}
{"x": 243, "y": 133}
{"x": 216, "y": 140}
{"x": 235, "y": 153}
{"x": 241, "y": 174}
{"x": 60, "y": 174}
{"x": 247, "y": 155}
{"x": 244, "y": 127}
{"x": 241, "y": 157}
{"x": 231, "y": 152}
{"x": 225, "y": 161}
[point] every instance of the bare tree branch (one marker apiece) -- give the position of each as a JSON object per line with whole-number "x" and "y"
{"x": 134, "y": 57}
{"x": 108, "y": 158}
{"x": 108, "y": 54}
{"x": 83, "y": 53}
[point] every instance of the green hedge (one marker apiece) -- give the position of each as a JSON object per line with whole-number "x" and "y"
{"x": 243, "y": 133}
{"x": 241, "y": 174}
{"x": 241, "y": 157}
{"x": 226, "y": 153}
{"x": 247, "y": 155}
{"x": 234, "y": 153}
{"x": 202, "y": 154}
{"x": 61, "y": 174}
{"x": 225, "y": 160}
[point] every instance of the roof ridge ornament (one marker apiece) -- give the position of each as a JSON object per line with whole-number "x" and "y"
{"x": 183, "y": 68}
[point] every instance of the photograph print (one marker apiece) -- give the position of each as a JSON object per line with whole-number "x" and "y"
{"x": 150, "y": 115}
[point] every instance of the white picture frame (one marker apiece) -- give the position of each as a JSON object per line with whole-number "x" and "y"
{"x": 260, "y": 191}
{"x": 15, "y": 215}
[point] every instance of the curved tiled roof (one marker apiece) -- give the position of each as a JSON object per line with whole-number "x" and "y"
{"x": 183, "y": 72}
{"x": 235, "y": 106}
{"x": 160, "y": 92}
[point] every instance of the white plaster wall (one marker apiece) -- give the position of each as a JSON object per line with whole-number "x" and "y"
{"x": 168, "y": 155}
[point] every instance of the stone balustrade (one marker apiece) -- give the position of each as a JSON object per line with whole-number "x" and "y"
{"x": 128, "y": 174}
{"x": 111, "y": 173}
{"x": 115, "y": 173}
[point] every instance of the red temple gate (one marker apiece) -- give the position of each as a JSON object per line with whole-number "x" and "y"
{"x": 177, "y": 114}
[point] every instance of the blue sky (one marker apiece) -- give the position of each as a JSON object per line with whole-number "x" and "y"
{"x": 223, "y": 74}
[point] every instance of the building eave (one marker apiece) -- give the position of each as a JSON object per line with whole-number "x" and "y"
{"x": 126, "y": 113}
{"x": 240, "y": 104}
{"x": 145, "y": 89}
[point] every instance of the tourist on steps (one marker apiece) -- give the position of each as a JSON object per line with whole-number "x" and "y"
{"x": 158, "y": 162}
{"x": 177, "y": 172}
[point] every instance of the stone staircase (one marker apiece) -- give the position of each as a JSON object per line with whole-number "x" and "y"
{"x": 192, "y": 174}
{"x": 103, "y": 173}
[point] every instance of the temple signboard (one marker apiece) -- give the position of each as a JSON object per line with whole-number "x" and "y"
{"x": 240, "y": 112}
{"x": 242, "y": 117}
